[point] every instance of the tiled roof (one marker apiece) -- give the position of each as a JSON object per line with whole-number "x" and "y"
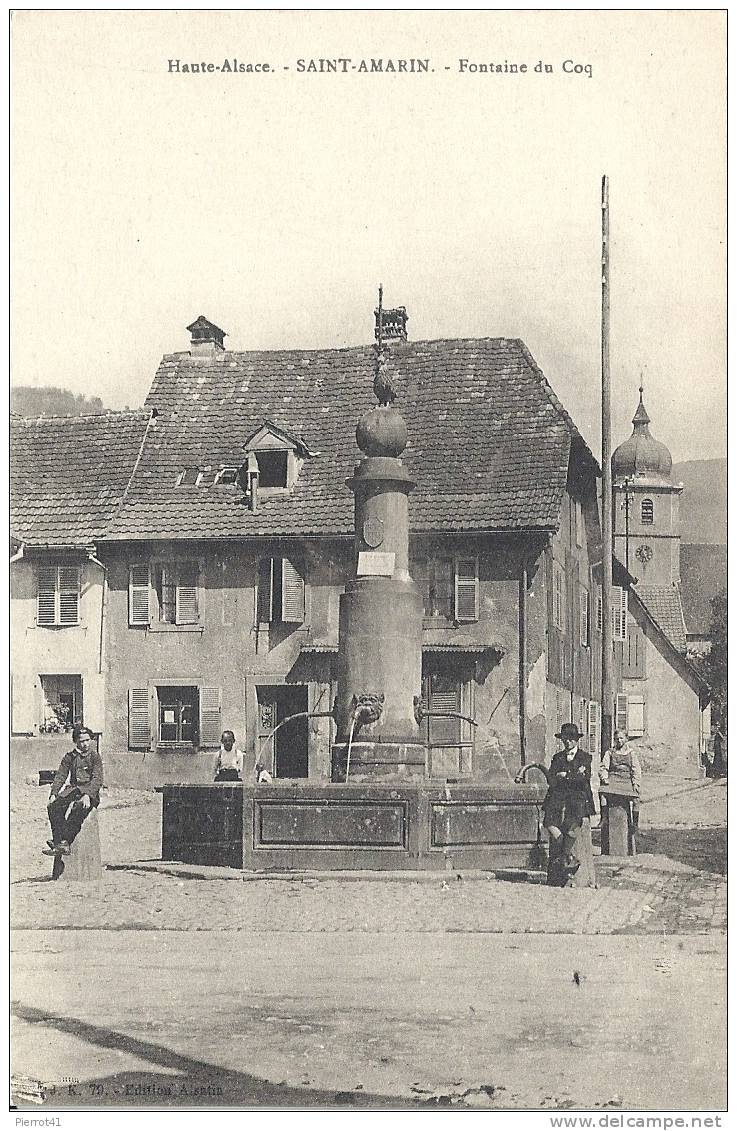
{"x": 489, "y": 443}
{"x": 69, "y": 473}
{"x": 703, "y": 575}
{"x": 663, "y": 603}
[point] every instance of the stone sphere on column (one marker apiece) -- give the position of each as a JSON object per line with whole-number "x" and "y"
{"x": 382, "y": 432}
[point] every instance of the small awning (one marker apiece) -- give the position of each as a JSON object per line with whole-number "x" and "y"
{"x": 313, "y": 649}
{"x": 465, "y": 649}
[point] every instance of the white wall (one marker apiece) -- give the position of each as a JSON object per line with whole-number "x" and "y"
{"x": 37, "y": 651}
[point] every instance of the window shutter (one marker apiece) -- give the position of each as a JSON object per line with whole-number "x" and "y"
{"x": 599, "y": 609}
{"x": 445, "y": 696}
{"x": 69, "y": 577}
{"x": 620, "y": 712}
{"x": 139, "y": 719}
{"x": 46, "y": 613}
{"x": 210, "y": 729}
{"x": 559, "y": 598}
{"x": 265, "y": 586}
{"x": 187, "y": 593}
{"x": 582, "y": 721}
{"x": 584, "y": 617}
{"x": 467, "y": 589}
{"x": 420, "y": 574}
{"x": 138, "y": 595}
{"x": 619, "y": 613}
{"x": 292, "y": 593}
{"x": 636, "y": 715}
{"x": 593, "y": 727}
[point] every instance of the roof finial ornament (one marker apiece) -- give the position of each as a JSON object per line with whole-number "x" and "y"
{"x": 385, "y": 392}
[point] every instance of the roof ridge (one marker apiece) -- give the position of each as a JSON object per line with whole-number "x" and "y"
{"x": 340, "y": 349}
{"x": 43, "y": 418}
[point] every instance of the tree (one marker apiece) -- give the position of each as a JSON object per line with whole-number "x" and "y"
{"x": 717, "y": 659}
{"x": 49, "y": 400}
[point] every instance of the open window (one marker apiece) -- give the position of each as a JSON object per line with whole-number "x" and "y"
{"x": 273, "y": 468}
{"x": 450, "y": 586}
{"x": 183, "y": 716}
{"x": 62, "y": 703}
{"x": 164, "y": 593}
{"x": 281, "y": 591}
{"x": 274, "y": 459}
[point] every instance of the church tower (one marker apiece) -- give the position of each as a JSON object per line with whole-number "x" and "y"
{"x": 646, "y": 519}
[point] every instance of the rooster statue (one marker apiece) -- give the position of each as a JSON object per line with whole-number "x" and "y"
{"x": 384, "y": 390}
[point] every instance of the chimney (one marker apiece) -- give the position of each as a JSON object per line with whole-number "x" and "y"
{"x": 207, "y": 338}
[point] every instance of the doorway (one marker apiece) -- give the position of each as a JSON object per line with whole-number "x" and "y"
{"x": 288, "y": 748}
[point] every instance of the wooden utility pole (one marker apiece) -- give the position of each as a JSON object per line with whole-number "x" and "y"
{"x": 607, "y": 655}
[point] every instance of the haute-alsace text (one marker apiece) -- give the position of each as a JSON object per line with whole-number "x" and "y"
{"x": 228, "y": 66}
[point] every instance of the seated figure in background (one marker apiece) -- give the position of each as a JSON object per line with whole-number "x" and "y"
{"x": 75, "y": 792}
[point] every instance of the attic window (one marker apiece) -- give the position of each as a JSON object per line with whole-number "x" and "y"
{"x": 188, "y": 477}
{"x": 227, "y": 475}
{"x": 272, "y": 468}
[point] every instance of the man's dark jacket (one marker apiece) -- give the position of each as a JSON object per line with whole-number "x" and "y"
{"x": 84, "y": 772}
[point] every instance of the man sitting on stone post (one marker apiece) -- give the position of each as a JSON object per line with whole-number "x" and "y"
{"x": 75, "y": 792}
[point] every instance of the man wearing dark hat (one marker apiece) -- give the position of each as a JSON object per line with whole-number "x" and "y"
{"x": 567, "y": 807}
{"x": 75, "y": 791}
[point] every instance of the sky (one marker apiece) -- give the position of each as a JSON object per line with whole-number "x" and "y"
{"x": 275, "y": 203}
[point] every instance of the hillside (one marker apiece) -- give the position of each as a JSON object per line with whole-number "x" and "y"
{"x": 704, "y": 500}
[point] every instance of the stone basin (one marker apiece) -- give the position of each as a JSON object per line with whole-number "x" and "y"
{"x": 298, "y": 825}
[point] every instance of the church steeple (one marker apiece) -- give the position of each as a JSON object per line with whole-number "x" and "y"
{"x": 642, "y": 454}
{"x": 647, "y": 531}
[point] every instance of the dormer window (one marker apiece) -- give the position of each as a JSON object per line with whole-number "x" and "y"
{"x": 274, "y": 459}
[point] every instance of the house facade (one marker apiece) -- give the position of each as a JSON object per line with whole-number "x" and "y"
{"x": 210, "y": 579}
{"x": 228, "y": 556}
{"x": 68, "y": 475}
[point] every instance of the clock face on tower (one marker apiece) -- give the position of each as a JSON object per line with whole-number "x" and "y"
{"x": 644, "y": 554}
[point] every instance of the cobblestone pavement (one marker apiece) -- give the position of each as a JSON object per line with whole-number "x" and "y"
{"x": 371, "y": 991}
{"x": 651, "y": 894}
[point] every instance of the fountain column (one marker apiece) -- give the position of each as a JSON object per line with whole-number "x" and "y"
{"x": 380, "y": 629}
